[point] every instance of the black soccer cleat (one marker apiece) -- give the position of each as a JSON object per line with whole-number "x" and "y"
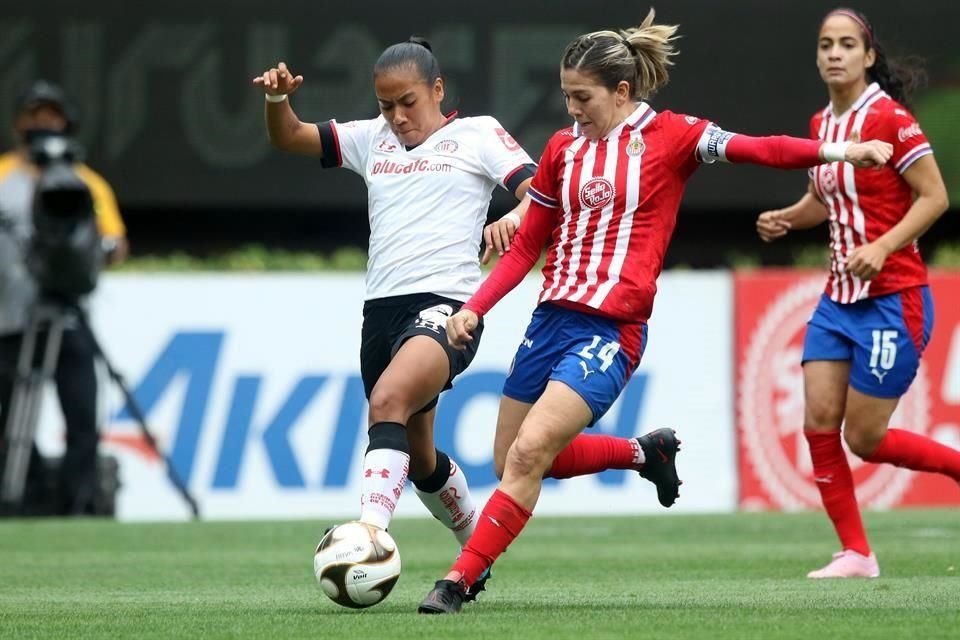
{"x": 660, "y": 449}
{"x": 478, "y": 586}
{"x": 447, "y": 596}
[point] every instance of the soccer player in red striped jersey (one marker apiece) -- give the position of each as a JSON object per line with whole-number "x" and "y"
{"x": 606, "y": 195}
{"x": 863, "y": 344}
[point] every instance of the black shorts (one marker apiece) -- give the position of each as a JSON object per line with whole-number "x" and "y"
{"x": 389, "y": 322}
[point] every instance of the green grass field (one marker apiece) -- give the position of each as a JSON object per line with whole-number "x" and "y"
{"x": 731, "y": 576}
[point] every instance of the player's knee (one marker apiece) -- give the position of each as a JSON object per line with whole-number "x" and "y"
{"x": 861, "y": 441}
{"x": 528, "y": 457}
{"x": 819, "y": 415}
{"x": 388, "y": 404}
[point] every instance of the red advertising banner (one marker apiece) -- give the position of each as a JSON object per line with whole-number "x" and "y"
{"x": 775, "y": 472}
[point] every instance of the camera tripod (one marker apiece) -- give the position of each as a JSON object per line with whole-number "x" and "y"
{"x": 36, "y": 364}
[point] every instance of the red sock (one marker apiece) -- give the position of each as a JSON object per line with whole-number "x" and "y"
{"x": 589, "y": 454}
{"x": 501, "y": 520}
{"x": 920, "y": 453}
{"x": 835, "y": 482}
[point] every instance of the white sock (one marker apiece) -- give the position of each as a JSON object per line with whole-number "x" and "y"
{"x": 453, "y": 505}
{"x": 384, "y": 475}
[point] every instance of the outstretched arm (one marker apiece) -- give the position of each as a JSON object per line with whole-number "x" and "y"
{"x": 786, "y": 152}
{"x": 284, "y": 128}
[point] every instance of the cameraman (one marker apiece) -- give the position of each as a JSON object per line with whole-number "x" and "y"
{"x": 44, "y": 109}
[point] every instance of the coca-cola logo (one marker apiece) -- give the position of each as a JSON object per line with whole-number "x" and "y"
{"x": 904, "y": 133}
{"x": 771, "y": 407}
{"x": 596, "y": 193}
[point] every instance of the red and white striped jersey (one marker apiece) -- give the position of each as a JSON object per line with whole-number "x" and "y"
{"x": 616, "y": 201}
{"x": 865, "y": 203}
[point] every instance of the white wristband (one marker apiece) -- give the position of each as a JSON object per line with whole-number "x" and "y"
{"x": 512, "y": 217}
{"x": 279, "y": 98}
{"x": 835, "y": 151}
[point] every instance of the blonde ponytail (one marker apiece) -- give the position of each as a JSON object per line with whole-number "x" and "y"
{"x": 653, "y": 47}
{"x": 639, "y": 55}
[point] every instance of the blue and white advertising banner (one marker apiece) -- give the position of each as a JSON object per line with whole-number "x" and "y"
{"x": 251, "y": 385}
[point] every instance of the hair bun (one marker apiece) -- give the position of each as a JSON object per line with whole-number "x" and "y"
{"x": 420, "y": 41}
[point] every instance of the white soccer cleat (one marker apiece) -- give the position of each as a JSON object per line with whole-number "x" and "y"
{"x": 849, "y": 564}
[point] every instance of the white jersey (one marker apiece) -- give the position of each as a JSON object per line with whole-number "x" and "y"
{"x": 427, "y": 205}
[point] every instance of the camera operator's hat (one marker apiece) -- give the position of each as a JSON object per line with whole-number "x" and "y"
{"x": 44, "y": 92}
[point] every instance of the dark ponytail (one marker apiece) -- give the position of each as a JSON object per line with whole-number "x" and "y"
{"x": 415, "y": 52}
{"x": 899, "y": 77}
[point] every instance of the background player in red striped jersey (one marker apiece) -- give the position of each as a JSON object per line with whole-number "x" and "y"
{"x": 429, "y": 179}
{"x": 606, "y": 194}
{"x": 863, "y": 344}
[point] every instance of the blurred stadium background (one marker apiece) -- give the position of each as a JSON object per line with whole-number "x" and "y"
{"x": 170, "y": 118}
{"x": 251, "y": 381}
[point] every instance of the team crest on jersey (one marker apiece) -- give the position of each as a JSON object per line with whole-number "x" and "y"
{"x": 507, "y": 140}
{"x": 446, "y": 146}
{"x": 828, "y": 180}
{"x": 596, "y": 193}
{"x": 386, "y": 146}
{"x": 635, "y": 147}
{"x": 854, "y": 136}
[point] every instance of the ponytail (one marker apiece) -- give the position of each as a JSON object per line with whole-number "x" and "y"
{"x": 640, "y": 56}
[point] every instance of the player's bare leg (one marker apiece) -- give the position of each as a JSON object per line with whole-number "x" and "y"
{"x": 553, "y": 421}
{"x": 511, "y": 415}
{"x": 415, "y": 376}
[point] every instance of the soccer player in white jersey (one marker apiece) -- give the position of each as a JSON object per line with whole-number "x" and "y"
{"x": 606, "y": 195}
{"x": 864, "y": 342}
{"x": 429, "y": 179}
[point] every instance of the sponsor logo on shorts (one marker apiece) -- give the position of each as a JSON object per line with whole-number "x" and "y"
{"x": 586, "y": 370}
{"x": 435, "y": 318}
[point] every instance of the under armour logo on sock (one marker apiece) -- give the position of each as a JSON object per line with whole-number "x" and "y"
{"x": 383, "y": 473}
{"x": 823, "y": 479}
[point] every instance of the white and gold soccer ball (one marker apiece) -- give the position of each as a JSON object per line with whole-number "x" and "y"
{"x": 356, "y": 564}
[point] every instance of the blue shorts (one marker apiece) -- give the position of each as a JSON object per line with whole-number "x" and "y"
{"x": 882, "y": 338}
{"x": 592, "y": 355}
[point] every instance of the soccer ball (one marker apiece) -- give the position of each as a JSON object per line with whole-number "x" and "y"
{"x": 356, "y": 564}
